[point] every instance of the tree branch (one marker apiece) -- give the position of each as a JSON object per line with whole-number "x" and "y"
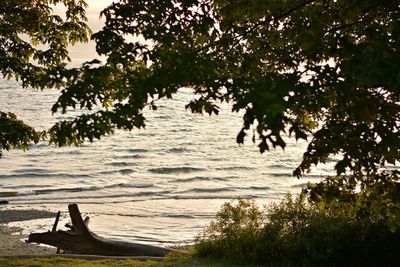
{"x": 259, "y": 23}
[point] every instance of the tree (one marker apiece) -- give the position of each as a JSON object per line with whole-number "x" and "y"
{"x": 33, "y": 49}
{"x": 321, "y": 69}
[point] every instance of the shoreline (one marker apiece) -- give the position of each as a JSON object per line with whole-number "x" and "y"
{"x": 11, "y": 237}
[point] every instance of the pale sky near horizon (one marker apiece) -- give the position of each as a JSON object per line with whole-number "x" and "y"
{"x": 84, "y": 52}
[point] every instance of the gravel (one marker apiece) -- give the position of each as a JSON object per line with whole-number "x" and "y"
{"x": 11, "y": 238}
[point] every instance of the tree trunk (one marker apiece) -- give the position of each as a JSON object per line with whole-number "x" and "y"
{"x": 80, "y": 240}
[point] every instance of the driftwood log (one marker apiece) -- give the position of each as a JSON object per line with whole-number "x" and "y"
{"x": 80, "y": 240}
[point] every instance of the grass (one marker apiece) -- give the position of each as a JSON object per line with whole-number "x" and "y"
{"x": 173, "y": 259}
{"x": 70, "y": 262}
{"x": 67, "y": 262}
{"x": 170, "y": 261}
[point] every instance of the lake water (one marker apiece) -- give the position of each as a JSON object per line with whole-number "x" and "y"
{"x": 161, "y": 184}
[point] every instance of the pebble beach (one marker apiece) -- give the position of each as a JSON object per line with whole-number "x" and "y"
{"x": 12, "y": 238}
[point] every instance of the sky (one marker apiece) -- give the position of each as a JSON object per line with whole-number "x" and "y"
{"x": 84, "y": 52}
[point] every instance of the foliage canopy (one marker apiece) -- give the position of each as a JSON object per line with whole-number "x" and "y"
{"x": 33, "y": 49}
{"x": 325, "y": 69}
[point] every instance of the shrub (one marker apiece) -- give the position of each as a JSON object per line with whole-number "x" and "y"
{"x": 234, "y": 234}
{"x": 295, "y": 232}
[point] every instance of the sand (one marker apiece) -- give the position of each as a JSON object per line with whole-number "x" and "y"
{"x": 11, "y": 238}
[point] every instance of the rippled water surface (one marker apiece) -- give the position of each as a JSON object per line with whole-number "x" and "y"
{"x": 160, "y": 184}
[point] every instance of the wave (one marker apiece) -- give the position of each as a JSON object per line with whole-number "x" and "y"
{"x": 9, "y": 194}
{"x": 234, "y": 168}
{"x": 137, "y": 150}
{"x": 136, "y": 197}
{"x": 279, "y": 174}
{"x": 184, "y": 130}
{"x": 101, "y": 199}
{"x": 121, "y": 171}
{"x": 197, "y": 179}
{"x": 158, "y": 214}
{"x": 129, "y": 156}
{"x": 224, "y": 189}
{"x": 101, "y": 173}
{"x": 257, "y": 188}
{"x": 23, "y": 186}
{"x": 126, "y": 151}
{"x": 44, "y": 175}
{"x": 122, "y": 164}
{"x": 77, "y": 189}
{"x": 207, "y": 190}
{"x": 130, "y": 185}
{"x": 177, "y": 150}
{"x": 164, "y": 117}
{"x": 126, "y": 171}
{"x": 73, "y": 152}
{"x": 277, "y": 166}
{"x": 30, "y": 170}
{"x": 207, "y": 197}
{"x": 171, "y": 170}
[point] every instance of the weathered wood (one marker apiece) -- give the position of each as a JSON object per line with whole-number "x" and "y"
{"x": 56, "y": 222}
{"x": 86, "y": 221}
{"x": 80, "y": 240}
{"x": 55, "y": 228}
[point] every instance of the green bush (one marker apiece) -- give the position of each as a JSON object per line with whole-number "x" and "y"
{"x": 295, "y": 232}
{"x": 234, "y": 234}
